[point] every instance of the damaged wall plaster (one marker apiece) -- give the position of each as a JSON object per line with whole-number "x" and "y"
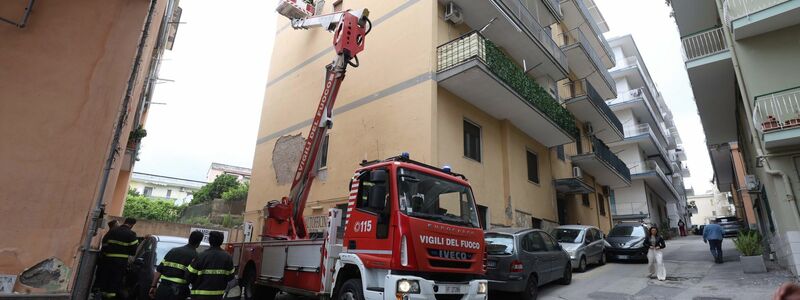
{"x": 286, "y": 156}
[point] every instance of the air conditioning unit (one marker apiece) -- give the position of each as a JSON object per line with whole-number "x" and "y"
{"x": 577, "y": 172}
{"x": 453, "y": 13}
{"x": 589, "y": 129}
{"x": 751, "y": 183}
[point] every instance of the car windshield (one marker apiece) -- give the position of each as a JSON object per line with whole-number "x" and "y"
{"x": 433, "y": 198}
{"x": 163, "y": 247}
{"x": 564, "y": 235}
{"x": 497, "y": 243}
{"x": 635, "y": 231}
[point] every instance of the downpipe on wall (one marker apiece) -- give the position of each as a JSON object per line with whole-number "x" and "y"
{"x": 84, "y": 274}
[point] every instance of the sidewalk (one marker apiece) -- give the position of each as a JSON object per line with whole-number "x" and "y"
{"x": 693, "y": 275}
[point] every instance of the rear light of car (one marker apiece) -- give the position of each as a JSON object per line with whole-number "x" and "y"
{"x": 517, "y": 266}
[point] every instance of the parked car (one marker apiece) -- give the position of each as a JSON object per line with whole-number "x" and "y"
{"x": 626, "y": 242}
{"x": 699, "y": 229}
{"x": 585, "y": 244}
{"x": 151, "y": 252}
{"x": 730, "y": 225}
{"x": 522, "y": 260}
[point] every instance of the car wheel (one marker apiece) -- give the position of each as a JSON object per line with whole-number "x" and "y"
{"x": 351, "y": 290}
{"x": 602, "y": 258}
{"x": 582, "y": 264}
{"x": 567, "y": 277}
{"x": 531, "y": 289}
{"x": 253, "y": 291}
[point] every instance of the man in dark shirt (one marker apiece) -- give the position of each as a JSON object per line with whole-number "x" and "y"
{"x": 172, "y": 271}
{"x": 119, "y": 244}
{"x": 210, "y": 273}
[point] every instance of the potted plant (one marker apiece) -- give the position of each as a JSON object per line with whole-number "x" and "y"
{"x": 749, "y": 245}
{"x": 136, "y": 136}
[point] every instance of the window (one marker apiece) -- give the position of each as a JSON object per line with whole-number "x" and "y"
{"x": 323, "y": 159}
{"x": 533, "y": 167}
{"x": 372, "y": 195}
{"x": 169, "y": 193}
{"x": 148, "y": 191}
{"x": 560, "y": 152}
{"x": 579, "y": 145}
{"x": 549, "y": 242}
{"x": 472, "y": 141}
{"x": 601, "y": 204}
{"x": 585, "y": 198}
{"x": 533, "y": 242}
{"x": 337, "y": 5}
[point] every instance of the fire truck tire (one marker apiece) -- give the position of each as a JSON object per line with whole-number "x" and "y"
{"x": 351, "y": 290}
{"x": 253, "y": 291}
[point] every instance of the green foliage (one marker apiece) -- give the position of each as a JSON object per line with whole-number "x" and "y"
{"x": 749, "y": 243}
{"x": 142, "y": 207}
{"x": 198, "y": 220}
{"x": 237, "y": 194}
{"x": 133, "y": 192}
{"x": 515, "y": 77}
{"x": 138, "y": 134}
{"x": 215, "y": 189}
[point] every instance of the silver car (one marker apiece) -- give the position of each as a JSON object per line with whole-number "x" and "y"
{"x": 522, "y": 260}
{"x": 585, "y": 244}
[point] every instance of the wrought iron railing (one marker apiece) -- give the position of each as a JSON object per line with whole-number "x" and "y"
{"x": 531, "y": 23}
{"x": 603, "y": 152}
{"x": 778, "y": 111}
{"x": 704, "y": 44}
{"x": 474, "y": 46}
{"x": 583, "y": 87}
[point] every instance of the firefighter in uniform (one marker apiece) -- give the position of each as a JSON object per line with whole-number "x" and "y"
{"x": 172, "y": 271}
{"x": 119, "y": 244}
{"x": 210, "y": 273}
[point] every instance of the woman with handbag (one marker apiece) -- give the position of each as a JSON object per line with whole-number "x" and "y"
{"x": 655, "y": 259}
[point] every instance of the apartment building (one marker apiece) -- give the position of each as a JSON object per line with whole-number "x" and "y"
{"x": 176, "y": 190}
{"x": 516, "y": 106}
{"x": 742, "y": 58}
{"x": 75, "y": 82}
{"x": 710, "y": 206}
{"x": 651, "y": 146}
{"x": 241, "y": 173}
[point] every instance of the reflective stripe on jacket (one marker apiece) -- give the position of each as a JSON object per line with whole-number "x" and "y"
{"x": 210, "y": 273}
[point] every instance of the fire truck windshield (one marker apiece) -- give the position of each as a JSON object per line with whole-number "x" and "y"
{"x": 433, "y": 198}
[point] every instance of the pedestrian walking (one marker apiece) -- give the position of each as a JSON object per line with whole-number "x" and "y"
{"x": 655, "y": 258}
{"x": 682, "y": 227}
{"x": 119, "y": 244}
{"x": 210, "y": 273}
{"x": 712, "y": 235}
{"x": 172, "y": 271}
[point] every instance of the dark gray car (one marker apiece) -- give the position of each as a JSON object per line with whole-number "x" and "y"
{"x": 522, "y": 260}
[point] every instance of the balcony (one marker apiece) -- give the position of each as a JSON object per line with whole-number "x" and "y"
{"x": 585, "y": 62}
{"x": 629, "y": 210}
{"x": 642, "y": 135}
{"x": 695, "y": 15}
{"x": 579, "y": 17}
{"x": 604, "y": 165}
{"x": 754, "y": 17}
{"x": 516, "y": 30}
{"x": 710, "y": 69}
{"x": 476, "y": 70}
{"x": 585, "y": 103}
{"x": 654, "y": 177}
{"x": 640, "y": 105}
{"x": 777, "y": 116}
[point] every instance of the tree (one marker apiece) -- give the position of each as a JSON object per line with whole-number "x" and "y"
{"x": 142, "y": 207}
{"x": 237, "y": 194}
{"x": 214, "y": 190}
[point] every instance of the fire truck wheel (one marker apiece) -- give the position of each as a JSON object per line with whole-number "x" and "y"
{"x": 351, "y": 290}
{"x": 253, "y": 291}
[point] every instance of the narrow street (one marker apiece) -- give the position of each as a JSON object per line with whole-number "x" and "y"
{"x": 691, "y": 274}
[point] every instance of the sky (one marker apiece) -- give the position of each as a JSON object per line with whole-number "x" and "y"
{"x": 218, "y": 72}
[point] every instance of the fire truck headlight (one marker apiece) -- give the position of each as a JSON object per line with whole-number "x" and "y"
{"x": 482, "y": 288}
{"x": 408, "y": 286}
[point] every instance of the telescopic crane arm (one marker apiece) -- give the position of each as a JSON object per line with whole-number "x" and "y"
{"x": 285, "y": 219}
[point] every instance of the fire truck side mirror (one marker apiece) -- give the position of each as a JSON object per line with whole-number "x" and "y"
{"x": 378, "y": 176}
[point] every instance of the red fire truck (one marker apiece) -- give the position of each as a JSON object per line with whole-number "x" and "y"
{"x": 411, "y": 230}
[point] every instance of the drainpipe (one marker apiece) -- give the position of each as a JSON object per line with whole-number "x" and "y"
{"x": 749, "y": 114}
{"x": 84, "y": 271}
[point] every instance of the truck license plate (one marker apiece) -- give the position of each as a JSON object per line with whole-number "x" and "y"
{"x": 491, "y": 264}
{"x": 451, "y": 289}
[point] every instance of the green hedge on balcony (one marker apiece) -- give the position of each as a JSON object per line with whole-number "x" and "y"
{"x": 515, "y": 77}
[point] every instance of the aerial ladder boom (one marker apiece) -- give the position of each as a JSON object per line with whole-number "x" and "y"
{"x": 285, "y": 217}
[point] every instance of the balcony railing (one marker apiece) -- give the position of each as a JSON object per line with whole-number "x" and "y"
{"x": 644, "y": 128}
{"x": 646, "y": 166}
{"x": 521, "y": 12}
{"x": 595, "y": 29}
{"x": 576, "y": 36}
{"x": 778, "y": 111}
{"x": 704, "y": 44}
{"x": 628, "y": 96}
{"x": 626, "y": 62}
{"x": 635, "y": 208}
{"x": 474, "y": 46}
{"x": 584, "y": 88}
{"x": 734, "y": 9}
{"x": 603, "y": 152}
